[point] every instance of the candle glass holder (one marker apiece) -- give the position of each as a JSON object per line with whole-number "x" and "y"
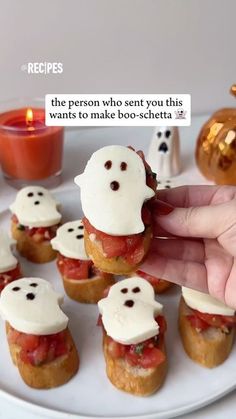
{"x": 30, "y": 152}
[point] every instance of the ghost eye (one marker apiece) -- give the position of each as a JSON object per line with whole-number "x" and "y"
{"x": 108, "y": 164}
{"x": 30, "y": 194}
{"x": 16, "y": 289}
{"x": 159, "y": 134}
{"x": 136, "y": 289}
{"x": 70, "y": 230}
{"x": 33, "y": 284}
{"x": 40, "y": 193}
{"x": 124, "y": 290}
{"x": 81, "y": 227}
{"x": 168, "y": 133}
{"x": 123, "y": 166}
{"x": 80, "y": 236}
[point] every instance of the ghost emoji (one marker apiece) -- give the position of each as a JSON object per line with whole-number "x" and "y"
{"x": 69, "y": 240}
{"x": 129, "y": 311}
{"x": 164, "y": 152}
{"x": 34, "y": 206}
{"x": 113, "y": 190}
{"x": 7, "y": 259}
{"x": 31, "y": 306}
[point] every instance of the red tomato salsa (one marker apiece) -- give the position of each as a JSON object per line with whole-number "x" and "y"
{"x": 76, "y": 268}
{"x": 130, "y": 247}
{"x": 146, "y": 354}
{"x": 38, "y": 350}
{"x": 9, "y": 276}
{"x": 202, "y": 321}
{"x": 38, "y": 234}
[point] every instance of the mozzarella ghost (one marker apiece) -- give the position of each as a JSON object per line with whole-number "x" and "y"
{"x": 31, "y": 306}
{"x": 164, "y": 152}
{"x": 7, "y": 259}
{"x": 205, "y": 303}
{"x": 69, "y": 240}
{"x": 129, "y": 311}
{"x": 113, "y": 189}
{"x": 35, "y": 207}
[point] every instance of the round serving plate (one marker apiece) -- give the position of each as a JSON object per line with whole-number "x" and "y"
{"x": 90, "y": 394}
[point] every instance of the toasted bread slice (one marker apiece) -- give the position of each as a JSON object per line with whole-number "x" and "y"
{"x": 135, "y": 380}
{"x": 115, "y": 265}
{"x": 208, "y": 348}
{"x": 87, "y": 290}
{"x": 27, "y": 247}
{"x": 51, "y": 374}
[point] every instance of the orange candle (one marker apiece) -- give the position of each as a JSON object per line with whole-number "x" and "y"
{"x": 29, "y": 150}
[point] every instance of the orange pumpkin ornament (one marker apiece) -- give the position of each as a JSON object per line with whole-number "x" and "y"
{"x": 216, "y": 146}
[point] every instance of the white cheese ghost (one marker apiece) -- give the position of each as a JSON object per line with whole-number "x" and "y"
{"x": 69, "y": 240}
{"x": 7, "y": 259}
{"x": 129, "y": 311}
{"x": 205, "y": 303}
{"x": 164, "y": 152}
{"x": 34, "y": 206}
{"x": 113, "y": 190}
{"x": 31, "y": 306}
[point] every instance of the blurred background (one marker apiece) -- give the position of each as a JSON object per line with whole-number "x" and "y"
{"x": 107, "y": 46}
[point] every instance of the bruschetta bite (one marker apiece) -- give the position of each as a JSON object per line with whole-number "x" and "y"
{"x": 39, "y": 340}
{"x": 82, "y": 281}
{"x": 133, "y": 337}
{"x": 116, "y": 186}
{"x": 9, "y": 265}
{"x": 35, "y": 221}
{"x": 207, "y": 328}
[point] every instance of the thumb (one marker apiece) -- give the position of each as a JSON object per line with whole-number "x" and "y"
{"x": 204, "y": 222}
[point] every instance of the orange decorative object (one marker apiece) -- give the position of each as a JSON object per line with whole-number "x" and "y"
{"x": 29, "y": 150}
{"x": 216, "y": 146}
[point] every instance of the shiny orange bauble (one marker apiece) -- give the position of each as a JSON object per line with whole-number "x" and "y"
{"x": 216, "y": 146}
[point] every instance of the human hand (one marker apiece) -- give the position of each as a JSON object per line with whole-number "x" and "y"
{"x": 200, "y": 249}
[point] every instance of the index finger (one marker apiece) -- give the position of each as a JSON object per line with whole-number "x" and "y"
{"x": 194, "y": 196}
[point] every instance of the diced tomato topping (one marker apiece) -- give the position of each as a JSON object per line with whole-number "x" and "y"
{"x": 9, "y": 276}
{"x": 114, "y": 246}
{"x": 150, "y": 278}
{"x": 197, "y": 323}
{"x": 37, "y": 350}
{"x": 77, "y": 269}
{"x": 215, "y": 320}
{"x": 38, "y": 234}
{"x": 146, "y": 354}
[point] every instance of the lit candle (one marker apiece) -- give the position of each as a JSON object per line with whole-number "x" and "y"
{"x": 29, "y": 150}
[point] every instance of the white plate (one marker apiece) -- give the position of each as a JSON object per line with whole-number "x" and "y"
{"x": 90, "y": 394}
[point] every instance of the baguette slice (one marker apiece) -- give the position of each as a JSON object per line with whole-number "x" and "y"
{"x": 135, "y": 380}
{"x": 87, "y": 290}
{"x": 208, "y": 348}
{"x": 115, "y": 265}
{"x": 27, "y": 247}
{"x": 51, "y": 374}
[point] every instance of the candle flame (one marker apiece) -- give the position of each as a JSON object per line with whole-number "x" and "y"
{"x": 29, "y": 116}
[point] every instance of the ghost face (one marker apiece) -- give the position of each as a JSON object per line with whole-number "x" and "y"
{"x": 113, "y": 189}
{"x": 69, "y": 240}
{"x": 129, "y": 310}
{"x": 35, "y": 207}
{"x": 7, "y": 259}
{"x": 31, "y": 305}
{"x": 163, "y": 155}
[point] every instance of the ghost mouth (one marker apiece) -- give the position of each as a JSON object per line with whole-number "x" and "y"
{"x": 163, "y": 147}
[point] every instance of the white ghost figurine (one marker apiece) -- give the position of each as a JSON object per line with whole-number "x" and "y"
{"x": 129, "y": 311}
{"x": 164, "y": 152}
{"x": 113, "y": 189}
{"x": 7, "y": 259}
{"x": 34, "y": 206}
{"x": 32, "y": 306}
{"x": 69, "y": 240}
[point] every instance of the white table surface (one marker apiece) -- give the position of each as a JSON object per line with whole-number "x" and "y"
{"x": 79, "y": 144}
